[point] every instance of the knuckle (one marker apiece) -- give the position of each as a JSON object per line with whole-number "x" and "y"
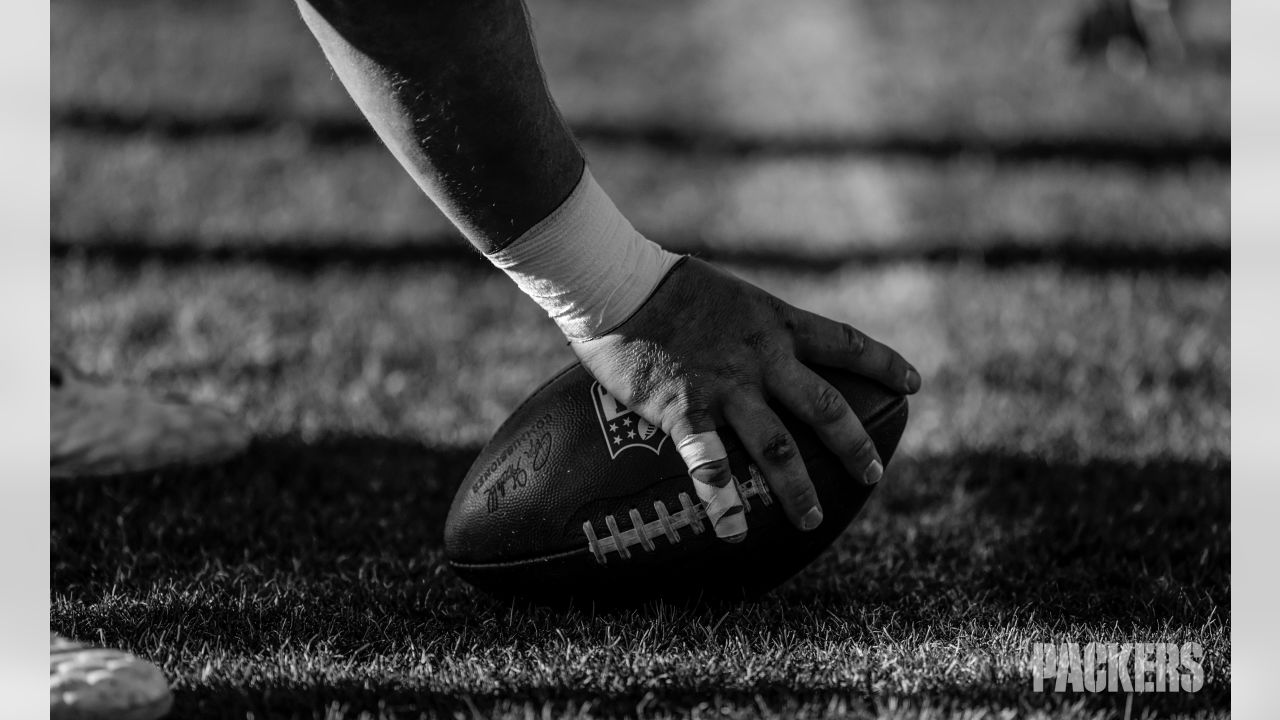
{"x": 757, "y": 340}
{"x": 778, "y": 306}
{"x": 801, "y": 495}
{"x": 769, "y": 347}
{"x": 696, "y": 416}
{"x": 647, "y": 376}
{"x": 863, "y": 446}
{"x": 828, "y": 405}
{"x": 686, "y": 409}
{"x": 896, "y": 366}
{"x": 854, "y": 340}
{"x": 779, "y": 449}
{"x": 715, "y": 474}
{"x": 734, "y": 377}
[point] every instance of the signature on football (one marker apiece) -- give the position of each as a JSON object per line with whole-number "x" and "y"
{"x": 534, "y": 449}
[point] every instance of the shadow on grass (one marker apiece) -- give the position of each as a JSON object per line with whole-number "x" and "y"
{"x": 333, "y": 549}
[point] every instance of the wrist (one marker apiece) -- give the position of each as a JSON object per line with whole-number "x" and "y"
{"x": 585, "y": 264}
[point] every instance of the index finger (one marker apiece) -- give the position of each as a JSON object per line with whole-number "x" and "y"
{"x": 708, "y": 462}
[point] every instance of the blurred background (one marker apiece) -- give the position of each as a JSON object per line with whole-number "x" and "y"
{"x": 1005, "y": 191}
{"x": 1030, "y": 200}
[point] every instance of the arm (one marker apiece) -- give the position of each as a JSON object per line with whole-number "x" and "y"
{"x": 456, "y": 91}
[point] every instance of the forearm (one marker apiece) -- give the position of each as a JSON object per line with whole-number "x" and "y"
{"x": 456, "y": 92}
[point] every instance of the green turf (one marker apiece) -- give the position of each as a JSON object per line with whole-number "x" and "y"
{"x": 1065, "y": 474}
{"x": 1032, "y": 361}
{"x": 1000, "y": 68}
{"x": 249, "y": 191}
{"x": 303, "y": 577}
{"x": 306, "y": 576}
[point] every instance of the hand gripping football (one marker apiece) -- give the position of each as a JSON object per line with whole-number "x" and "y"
{"x": 578, "y": 499}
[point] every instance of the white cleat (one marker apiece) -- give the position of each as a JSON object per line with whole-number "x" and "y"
{"x": 92, "y": 683}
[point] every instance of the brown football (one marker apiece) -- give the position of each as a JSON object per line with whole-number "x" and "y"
{"x": 578, "y": 499}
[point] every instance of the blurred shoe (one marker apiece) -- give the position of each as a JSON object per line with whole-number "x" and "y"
{"x": 105, "y": 429}
{"x": 92, "y": 683}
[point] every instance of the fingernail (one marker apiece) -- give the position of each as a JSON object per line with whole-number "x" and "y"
{"x": 913, "y": 380}
{"x": 874, "y": 472}
{"x": 811, "y": 519}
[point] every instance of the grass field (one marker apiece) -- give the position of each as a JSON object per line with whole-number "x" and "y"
{"x": 1048, "y": 241}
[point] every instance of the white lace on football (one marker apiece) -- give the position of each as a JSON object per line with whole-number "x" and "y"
{"x": 668, "y": 524}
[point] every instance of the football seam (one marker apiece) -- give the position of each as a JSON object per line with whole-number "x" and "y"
{"x": 875, "y": 418}
{"x": 515, "y": 563}
{"x": 667, "y": 525}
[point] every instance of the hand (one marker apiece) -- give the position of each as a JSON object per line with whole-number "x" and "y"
{"x": 709, "y": 349}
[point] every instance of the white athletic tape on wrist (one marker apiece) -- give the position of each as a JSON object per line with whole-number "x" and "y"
{"x": 723, "y": 504}
{"x": 585, "y": 264}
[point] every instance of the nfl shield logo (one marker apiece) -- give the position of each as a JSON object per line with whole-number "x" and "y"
{"x": 623, "y": 428}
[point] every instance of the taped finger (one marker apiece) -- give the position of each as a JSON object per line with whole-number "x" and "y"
{"x": 708, "y": 464}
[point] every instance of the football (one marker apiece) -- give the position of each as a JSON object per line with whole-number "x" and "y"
{"x": 577, "y": 499}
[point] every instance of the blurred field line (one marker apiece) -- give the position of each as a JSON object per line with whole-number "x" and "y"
{"x": 916, "y": 74}
{"x": 304, "y": 253}
{"x": 1143, "y": 151}
{"x": 255, "y": 196}
{"x": 1044, "y": 362}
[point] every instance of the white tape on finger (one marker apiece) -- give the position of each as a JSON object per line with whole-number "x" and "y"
{"x": 701, "y": 449}
{"x": 723, "y": 503}
{"x": 724, "y": 509}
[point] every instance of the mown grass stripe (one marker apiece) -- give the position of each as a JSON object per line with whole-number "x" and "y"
{"x": 310, "y": 572}
{"x": 1037, "y": 359}
{"x": 277, "y": 189}
{"x": 1091, "y": 255}
{"x": 1145, "y": 150}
